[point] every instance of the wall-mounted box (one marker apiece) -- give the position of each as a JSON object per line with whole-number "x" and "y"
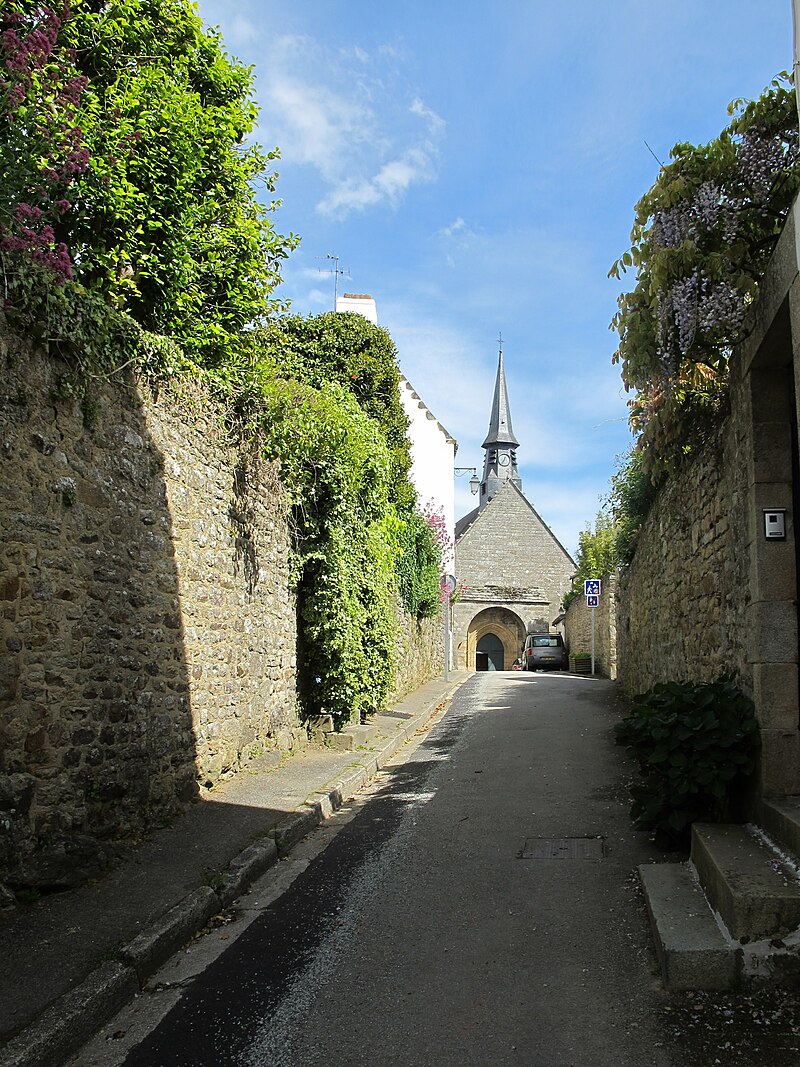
{"x": 775, "y": 524}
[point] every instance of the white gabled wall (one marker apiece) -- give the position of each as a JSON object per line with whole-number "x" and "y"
{"x": 433, "y": 453}
{"x": 433, "y": 450}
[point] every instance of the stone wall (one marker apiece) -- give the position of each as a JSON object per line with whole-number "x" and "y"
{"x": 147, "y": 639}
{"x": 578, "y": 628}
{"x": 708, "y": 593}
{"x": 419, "y": 652}
{"x": 683, "y": 601}
{"x": 509, "y": 555}
{"x": 510, "y": 561}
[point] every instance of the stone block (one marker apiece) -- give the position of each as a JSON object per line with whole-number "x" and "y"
{"x": 775, "y": 694}
{"x": 774, "y": 568}
{"x": 772, "y": 452}
{"x": 772, "y": 632}
{"x": 691, "y": 949}
{"x": 745, "y": 881}
{"x": 779, "y": 762}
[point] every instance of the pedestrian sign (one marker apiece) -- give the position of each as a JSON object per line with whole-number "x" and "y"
{"x": 592, "y": 601}
{"x": 591, "y": 587}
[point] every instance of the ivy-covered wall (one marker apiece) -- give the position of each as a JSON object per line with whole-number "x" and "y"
{"x": 147, "y": 632}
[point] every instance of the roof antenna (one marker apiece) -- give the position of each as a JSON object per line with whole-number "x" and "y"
{"x": 335, "y": 271}
{"x": 652, "y": 153}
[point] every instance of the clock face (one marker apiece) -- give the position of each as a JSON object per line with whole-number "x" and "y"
{"x": 504, "y": 459}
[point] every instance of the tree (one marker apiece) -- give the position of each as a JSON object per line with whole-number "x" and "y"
{"x": 140, "y": 184}
{"x": 348, "y": 349}
{"x": 702, "y": 237}
{"x": 596, "y": 557}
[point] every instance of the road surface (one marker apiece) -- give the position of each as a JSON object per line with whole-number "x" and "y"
{"x": 477, "y": 905}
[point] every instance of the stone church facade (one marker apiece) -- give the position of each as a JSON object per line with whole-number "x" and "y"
{"x": 515, "y": 569}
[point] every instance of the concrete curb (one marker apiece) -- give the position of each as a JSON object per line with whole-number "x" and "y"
{"x": 74, "y": 1017}
{"x": 166, "y": 935}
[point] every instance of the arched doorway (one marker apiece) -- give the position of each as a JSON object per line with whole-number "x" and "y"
{"x": 506, "y": 633}
{"x": 490, "y": 654}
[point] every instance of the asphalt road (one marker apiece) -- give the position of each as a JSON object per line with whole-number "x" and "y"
{"x": 478, "y": 905}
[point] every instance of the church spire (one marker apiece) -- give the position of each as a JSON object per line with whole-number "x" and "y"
{"x": 500, "y": 461}
{"x": 500, "y": 432}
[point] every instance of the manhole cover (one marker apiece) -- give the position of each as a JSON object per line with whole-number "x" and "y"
{"x": 562, "y": 848}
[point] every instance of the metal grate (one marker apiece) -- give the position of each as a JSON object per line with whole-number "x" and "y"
{"x": 563, "y": 848}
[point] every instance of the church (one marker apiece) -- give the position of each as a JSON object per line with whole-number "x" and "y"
{"x": 514, "y": 568}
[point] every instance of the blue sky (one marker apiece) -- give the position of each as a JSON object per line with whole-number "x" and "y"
{"x": 475, "y": 167}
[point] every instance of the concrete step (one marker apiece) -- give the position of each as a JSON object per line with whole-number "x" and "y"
{"x": 352, "y": 738}
{"x": 748, "y": 883}
{"x": 780, "y": 817}
{"x": 692, "y": 950}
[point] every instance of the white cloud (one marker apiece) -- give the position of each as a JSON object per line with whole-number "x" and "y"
{"x": 435, "y": 122}
{"x": 349, "y": 115}
{"x": 316, "y": 126}
{"x": 457, "y": 226}
{"x": 390, "y": 184}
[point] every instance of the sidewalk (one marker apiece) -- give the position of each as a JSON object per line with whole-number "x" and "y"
{"x": 71, "y": 960}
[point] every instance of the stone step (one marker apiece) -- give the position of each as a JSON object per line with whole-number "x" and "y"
{"x": 748, "y": 883}
{"x": 780, "y": 817}
{"x": 692, "y": 949}
{"x": 352, "y": 738}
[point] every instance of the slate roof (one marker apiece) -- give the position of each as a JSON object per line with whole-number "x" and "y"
{"x": 500, "y": 431}
{"x": 464, "y": 523}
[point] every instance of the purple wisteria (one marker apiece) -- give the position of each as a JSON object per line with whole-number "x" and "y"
{"x": 708, "y": 222}
{"x": 39, "y": 101}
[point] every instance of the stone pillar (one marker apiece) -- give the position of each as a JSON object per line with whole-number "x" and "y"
{"x": 772, "y": 637}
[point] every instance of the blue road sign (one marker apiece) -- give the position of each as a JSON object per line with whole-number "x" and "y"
{"x": 591, "y": 587}
{"x": 592, "y": 601}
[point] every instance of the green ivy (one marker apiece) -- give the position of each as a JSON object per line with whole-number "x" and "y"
{"x": 348, "y": 349}
{"x": 419, "y": 566}
{"x": 350, "y": 543}
{"x": 696, "y": 746}
{"x": 161, "y": 218}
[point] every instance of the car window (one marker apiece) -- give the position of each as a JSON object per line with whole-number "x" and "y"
{"x": 547, "y": 642}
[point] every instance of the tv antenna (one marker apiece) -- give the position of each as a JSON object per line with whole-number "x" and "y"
{"x": 335, "y": 270}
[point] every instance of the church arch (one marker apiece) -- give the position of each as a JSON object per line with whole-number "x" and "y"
{"x": 505, "y": 626}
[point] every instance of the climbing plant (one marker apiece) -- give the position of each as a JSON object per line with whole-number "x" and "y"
{"x": 354, "y": 550}
{"x": 701, "y": 239}
{"x": 348, "y": 349}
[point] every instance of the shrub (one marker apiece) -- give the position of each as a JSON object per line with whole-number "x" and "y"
{"x": 695, "y": 745}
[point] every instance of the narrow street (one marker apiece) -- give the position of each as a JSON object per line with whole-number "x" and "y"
{"x": 477, "y": 905}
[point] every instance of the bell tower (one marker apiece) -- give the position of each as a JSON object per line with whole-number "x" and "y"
{"x": 500, "y": 460}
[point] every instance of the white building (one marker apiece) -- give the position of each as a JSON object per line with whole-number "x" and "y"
{"x": 433, "y": 450}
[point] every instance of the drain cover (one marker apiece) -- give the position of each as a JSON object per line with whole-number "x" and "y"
{"x": 562, "y": 848}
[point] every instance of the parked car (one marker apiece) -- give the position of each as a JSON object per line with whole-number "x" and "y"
{"x": 545, "y": 652}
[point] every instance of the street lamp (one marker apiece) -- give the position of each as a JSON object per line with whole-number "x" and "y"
{"x": 474, "y": 482}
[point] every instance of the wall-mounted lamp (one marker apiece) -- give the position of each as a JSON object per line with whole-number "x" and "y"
{"x": 474, "y": 482}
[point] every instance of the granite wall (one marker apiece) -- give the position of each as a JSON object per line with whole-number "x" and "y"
{"x": 147, "y": 637}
